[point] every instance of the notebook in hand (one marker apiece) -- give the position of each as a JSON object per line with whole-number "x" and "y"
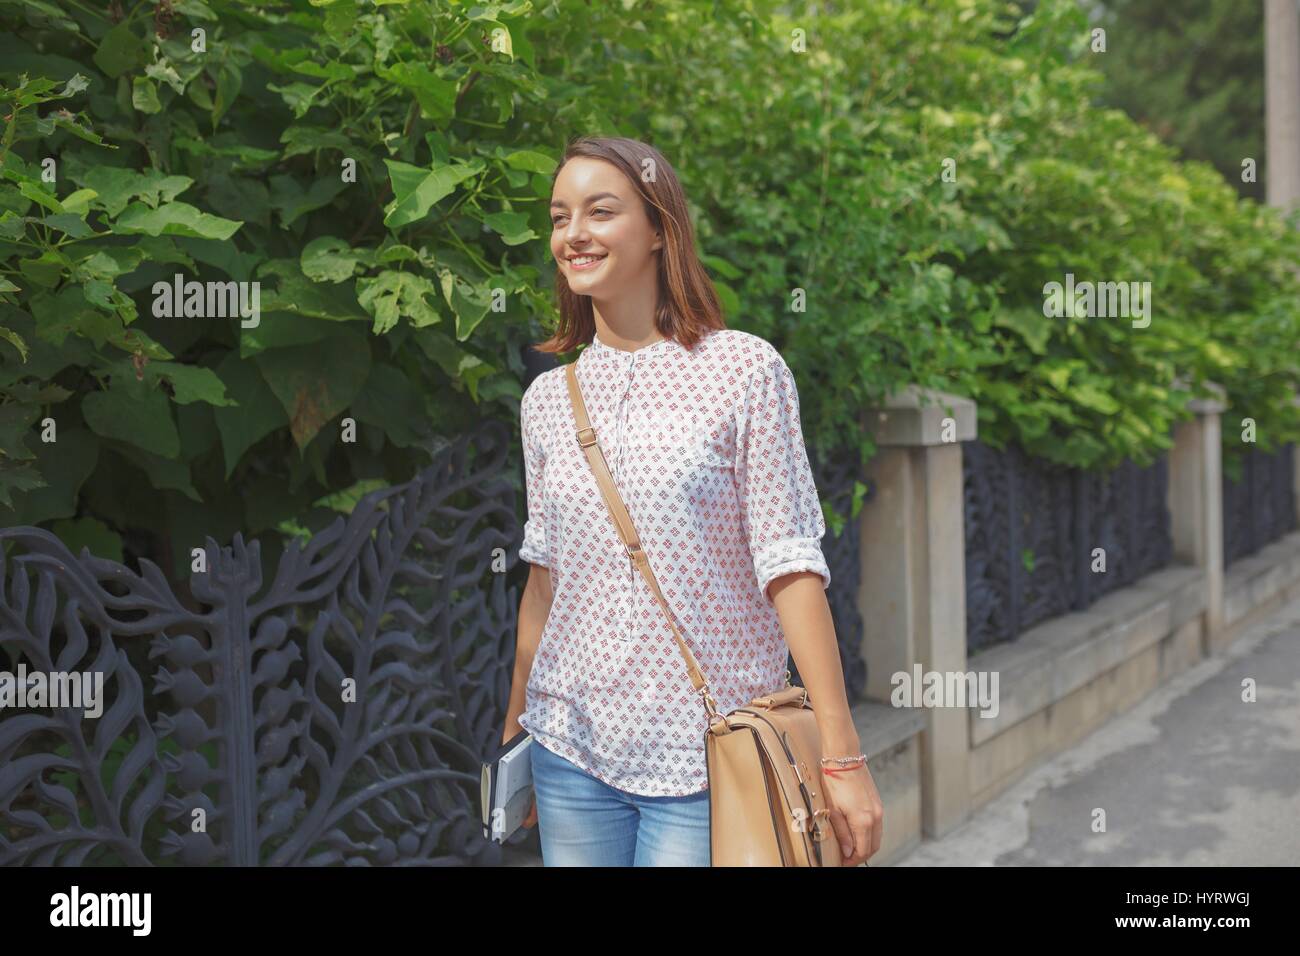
{"x": 507, "y": 787}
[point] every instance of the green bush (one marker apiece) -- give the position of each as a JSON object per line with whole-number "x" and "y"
{"x": 403, "y": 299}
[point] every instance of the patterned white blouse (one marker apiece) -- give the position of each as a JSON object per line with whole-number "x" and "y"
{"x": 707, "y": 451}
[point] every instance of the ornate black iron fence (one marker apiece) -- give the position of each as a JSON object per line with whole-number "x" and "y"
{"x": 1031, "y": 532}
{"x": 337, "y": 716}
{"x": 1260, "y": 506}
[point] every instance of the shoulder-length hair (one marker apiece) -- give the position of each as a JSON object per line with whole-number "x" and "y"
{"x": 688, "y": 304}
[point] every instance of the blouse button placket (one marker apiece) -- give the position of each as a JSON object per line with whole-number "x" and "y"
{"x": 629, "y": 601}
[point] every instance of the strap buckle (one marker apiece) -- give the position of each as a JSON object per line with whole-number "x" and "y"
{"x": 709, "y": 705}
{"x": 583, "y": 442}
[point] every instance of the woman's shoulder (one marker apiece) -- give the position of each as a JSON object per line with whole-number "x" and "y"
{"x": 542, "y": 388}
{"x": 741, "y": 344}
{"x": 742, "y": 353}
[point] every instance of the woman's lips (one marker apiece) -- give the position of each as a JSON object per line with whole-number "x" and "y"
{"x": 588, "y": 265}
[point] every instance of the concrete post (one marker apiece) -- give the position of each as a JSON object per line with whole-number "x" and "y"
{"x": 1282, "y": 101}
{"x": 1196, "y": 505}
{"x": 913, "y": 587}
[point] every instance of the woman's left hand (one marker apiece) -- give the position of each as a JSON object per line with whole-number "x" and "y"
{"x": 857, "y": 815}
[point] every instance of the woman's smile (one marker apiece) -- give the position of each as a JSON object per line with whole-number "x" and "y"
{"x": 586, "y": 263}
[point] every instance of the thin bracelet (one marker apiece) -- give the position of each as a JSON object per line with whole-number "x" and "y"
{"x": 843, "y": 760}
{"x": 858, "y": 761}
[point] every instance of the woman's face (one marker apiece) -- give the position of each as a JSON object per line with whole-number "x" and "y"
{"x": 596, "y": 212}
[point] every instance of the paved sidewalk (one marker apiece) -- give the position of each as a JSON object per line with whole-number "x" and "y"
{"x": 1191, "y": 776}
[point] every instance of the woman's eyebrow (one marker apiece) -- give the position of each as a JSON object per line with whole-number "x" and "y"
{"x": 590, "y": 199}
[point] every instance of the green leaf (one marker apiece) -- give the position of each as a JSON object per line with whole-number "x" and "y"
{"x": 47, "y": 269}
{"x": 1091, "y": 396}
{"x": 532, "y": 161}
{"x": 16, "y": 340}
{"x": 120, "y": 50}
{"x": 722, "y": 267}
{"x": 297, "y": 293}
{"x": 133, "y": 414}
{"x": 16, "y": 478}
{"x": 1032, "y": 327}
{"x": 174, "y": 219}
{"x": 346, "y": 499}
{"x": 327, "y": 259}
{"x": 74, "y": 226}
{"x": 40, "y": 195}
{"x": 135, "y": 341}
{"x": 468, "y": 302}
{"x": 392, "y": 295}
{"x": 314, "y": 386}
{"x": 62, "y": 468}
{"x": 435, "y": 95}
{"x": 281, "y": 329}
{"x": 78, "y": 202}
{"x": 415, "y": 190}
{"x": 513, "y": 227}
{"x": 113, "y": 185}
{"x": 393, "y": 404}
{"x": 292, "y": 201}
{"x": 144, "y": 95}
{"x": 164, "y": 473}
{"x": 308, "y": 139}
{"x": 190, "y": 383}
{"x": 254, "y": 413}
{"x": 164, "y": 72}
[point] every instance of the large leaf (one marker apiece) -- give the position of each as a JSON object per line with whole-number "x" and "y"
{"x": 415, "y": 190}
{"x": 327, "y": 259}
{"x": 190, "y": 383}
{"x": 393, "y": 295}
{"x": 133, "y": 413}
{"x": 121, "y": 50}
{"x": 174, "y": 219}
{"x": 255, "y": 413}
{"x": 314, "y": 385}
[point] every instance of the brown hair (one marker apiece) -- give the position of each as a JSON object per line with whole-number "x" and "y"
{"x": 688, "y": 304}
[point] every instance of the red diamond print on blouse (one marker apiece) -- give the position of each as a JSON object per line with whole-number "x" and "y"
{"x": 707, "y": 450}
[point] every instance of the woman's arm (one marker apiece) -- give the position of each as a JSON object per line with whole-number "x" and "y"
{"x": 857, "y": 814}
{"x": 534, "y": 608}
{"x": 809, "y": 630}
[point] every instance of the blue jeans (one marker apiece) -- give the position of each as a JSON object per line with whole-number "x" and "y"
{"x": 583, "y": 821}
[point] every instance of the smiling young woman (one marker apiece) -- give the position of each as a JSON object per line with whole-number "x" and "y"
{"x": 700, "y": 426}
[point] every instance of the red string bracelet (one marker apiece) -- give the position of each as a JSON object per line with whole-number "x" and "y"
{"x": 843, "y": 769}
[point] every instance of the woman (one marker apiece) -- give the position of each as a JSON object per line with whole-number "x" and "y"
{"x": 700, "y": 427}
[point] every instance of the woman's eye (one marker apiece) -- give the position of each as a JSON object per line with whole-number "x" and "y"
{"x": 555, "y": 220}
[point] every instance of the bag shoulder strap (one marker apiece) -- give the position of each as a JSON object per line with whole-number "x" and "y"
{"x": 623, "y": 522}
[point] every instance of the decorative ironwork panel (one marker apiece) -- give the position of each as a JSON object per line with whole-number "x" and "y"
{"x": 835, "y": 480}
{"x": 1260, "y": 506}
{"x": 1031, "y": 529}
{"x": 337, "y": 716}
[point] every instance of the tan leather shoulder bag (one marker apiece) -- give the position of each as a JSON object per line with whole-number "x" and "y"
{"x": 767, "y": 802}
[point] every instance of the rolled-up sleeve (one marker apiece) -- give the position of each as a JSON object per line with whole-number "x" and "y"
{"x": 533, "y": 550}
{"x": 779, "y": 505}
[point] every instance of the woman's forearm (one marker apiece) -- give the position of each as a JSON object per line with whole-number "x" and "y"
{"x": 805, "y": 615}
